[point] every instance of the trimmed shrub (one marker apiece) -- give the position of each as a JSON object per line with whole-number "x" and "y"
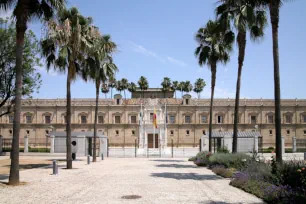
{"x": 202, "y": 159}
{"x": 192, "y": 158}
{"x": 224, "y": 172}
{"x": 223, "y": 150}
{"x": 237, "y": 161}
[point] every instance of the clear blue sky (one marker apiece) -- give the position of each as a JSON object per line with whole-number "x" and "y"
{"x": 156, "y": 39}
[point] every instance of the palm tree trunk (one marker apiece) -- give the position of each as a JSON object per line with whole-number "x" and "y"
{"x": 213, "y": 82}
{"x": 68, "y": 118}
{"x": 274, "y": 15}
{"x": 241, "y": 38}
{"x": 94, "y": 156}
{"x": 14, "y": 170}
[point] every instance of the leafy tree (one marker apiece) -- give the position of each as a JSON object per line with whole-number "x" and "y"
{"x": 99, "y": 68}
{"x": 65, "y": 45}
{"x": 31, "y": 80}
{"x": 175, "y": 86}
{"x": 112, "y": 85}
{"x": 132, "y": 87}
{"x": 166, "y": 85}
{"x": 23, "y": 12}
{"x": 199, "y": 86}
{"x": 143, "y": 84}
{"x": 246, "y": 18}
{"x": 214, "y": 47}
{"x": 125, "y": 85}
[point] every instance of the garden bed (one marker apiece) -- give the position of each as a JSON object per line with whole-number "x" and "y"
{"x": 269, "y": 181}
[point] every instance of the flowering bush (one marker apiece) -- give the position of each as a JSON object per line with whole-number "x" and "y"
{"x": 222, "y": 171}
{"x": 202, "y": 158}
{"x": 237, "y": 161}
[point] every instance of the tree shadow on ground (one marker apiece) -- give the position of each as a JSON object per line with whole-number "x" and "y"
{"x": 221, "y": 202}
{"x": 179, "y": 166}
{"x": 30, "y": 166}
{"x": 4, "y": 176}
{"x": 166, "y": 160}
{"x": 186, "y": 176}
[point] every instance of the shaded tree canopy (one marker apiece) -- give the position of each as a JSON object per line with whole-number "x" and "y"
{"x": 31, "y": 60}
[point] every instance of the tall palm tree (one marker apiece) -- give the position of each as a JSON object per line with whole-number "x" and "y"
{"x": 24, "y": 11}
{"x": 99, "y": 68}
{"x": 199, "y": 86}
{"x": 166, "y": 85}
{"x": 119, "y": 86}
{"x": 112, "y": 85}
{"x": 187, "y": 87}
{"x": 125, "y": 85}
{"x": 65, "y": 45}
{"x": 132, "y": 87}
{"x": 214, "y": 47}
{"x": 143, "y": 84}
{"x": 246, "y": 17}
{"x": 174, "y": 87}
{"x": 180, "y": 87}
{"x": 274, "y": 8}
{"x": 105, "y": 89}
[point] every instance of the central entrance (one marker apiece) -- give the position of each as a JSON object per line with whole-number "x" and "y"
{"x": 153, "y": 142}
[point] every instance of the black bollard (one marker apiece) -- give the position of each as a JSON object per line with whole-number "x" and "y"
{"x": 55, "y": 167}
{"x": 102, "y": 156}
{"x": 88, "y": 159}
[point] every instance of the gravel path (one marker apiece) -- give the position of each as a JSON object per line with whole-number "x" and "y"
{"x": 155, "y": 180}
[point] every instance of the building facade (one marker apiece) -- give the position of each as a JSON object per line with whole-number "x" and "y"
{"x": 124, "y": 121}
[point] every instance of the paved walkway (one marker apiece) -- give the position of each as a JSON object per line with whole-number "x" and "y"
{"x": 154, "y": 180}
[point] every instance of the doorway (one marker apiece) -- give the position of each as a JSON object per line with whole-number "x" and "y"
{"x": 151, "y": 141}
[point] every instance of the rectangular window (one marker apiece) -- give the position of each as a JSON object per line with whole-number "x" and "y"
{"x": 28, "y": 119}
{"x": 304, "y": 118}
{"x": 118, "y": 101}
{"x": 270, "y": 132}
{"x": 47, "y": 119}
{"x": 151, "y": 117}
{"x": 187, "y": 132}
{"x": 100, "y": 119}
{"x": 171, "y": 132}
{"x": 304, "y": 132}
{"x": 117, "y": 119}
{"x": 204, "y": 132}
{"x": 187, "y": 101}
{"x": 133, "y": 132}
{"x": 288, "y": 119}
{"x": 11, "y": 119}
{"x": 253, "y": 119}
{"x": 117, "y": 132}
{"x": 83, "y": 119}
{"x": 133, "y": 119}
{"x": 203, "y": 119}
{"x": 187, "y": 119}
{"x": 288, "y": 132}
{"x": 220, "y": 119}
{"x": 172, "y": 119}
{"x": 270, "y": 119}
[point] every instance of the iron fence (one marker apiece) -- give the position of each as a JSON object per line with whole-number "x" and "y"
{"x": 301, "y": 145}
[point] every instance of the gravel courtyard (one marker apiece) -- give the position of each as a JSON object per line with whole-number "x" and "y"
{"x": 153, "y": 180}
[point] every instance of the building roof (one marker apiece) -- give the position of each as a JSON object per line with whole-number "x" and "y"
{"x": 76, "y": 134}
{"x": 244, "y": 134}
{"x": 151, "y": 90}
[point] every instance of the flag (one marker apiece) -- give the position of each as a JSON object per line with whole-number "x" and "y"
{"x": 155, "y": 119}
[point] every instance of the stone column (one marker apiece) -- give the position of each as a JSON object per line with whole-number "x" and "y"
{"x": 26, "y": 144}
{"x": 1, "y": 142}
{"x": 293, "y": 144}
{"x": 205, "y": 143}
{"x": 52, "y": 148}
{"x": 228, "y": 142}
{"x": 283, "y": 144}
{"x": 255, "y": 144}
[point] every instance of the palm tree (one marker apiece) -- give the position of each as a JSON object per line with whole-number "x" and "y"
{"x": 66, "y": 43}
{"x": 112, "y": 84}
{"x": 166, "y": 85}
{"x": 214, "y": 47}
{"x": 180, "y": 87}
{"x": 119, "y": 86}
{"x": 105, "y": 89}
{"x": 132, "y": 87}
{"x": 274, "y": 7}
{"x": 143, "y": 84}
{"x": 199, "y": 86}
{"x": 124, "y": 84}
{"x": 175, "y": 86}
{"x": 99, "y": 67}
{"x": 24, "y": 11}
{"x": 187, "y": 86}
{"x": 246, "y": 17}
